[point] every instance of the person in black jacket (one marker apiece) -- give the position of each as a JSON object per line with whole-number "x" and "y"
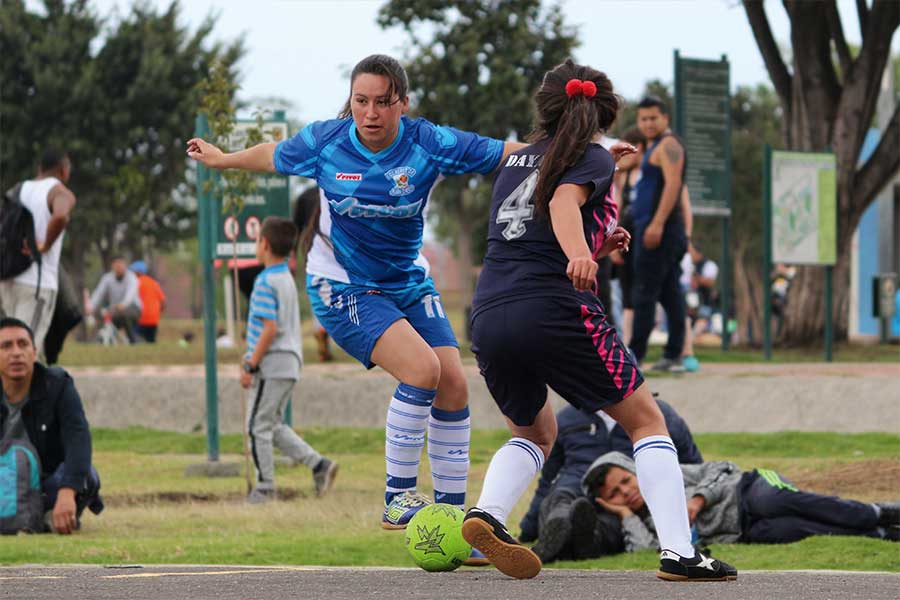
{"x": 42, "y": 403}
{"x": 567, "y": 525}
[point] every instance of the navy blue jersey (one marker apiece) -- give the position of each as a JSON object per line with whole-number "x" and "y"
{"x": 524, "y": 259}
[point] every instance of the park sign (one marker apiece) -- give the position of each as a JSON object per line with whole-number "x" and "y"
{"x": 272, "y": 197}
{"x": 702, "y": 119}
{"x": 803, "y": 208}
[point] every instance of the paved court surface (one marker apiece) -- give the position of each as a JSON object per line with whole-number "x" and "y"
{"x": 274, "y": 583}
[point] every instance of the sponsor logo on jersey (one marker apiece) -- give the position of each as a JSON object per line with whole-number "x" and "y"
{"x": 352, "y": 208}
{"x": 348, "y": 176}
{"x": 401, "y": 177}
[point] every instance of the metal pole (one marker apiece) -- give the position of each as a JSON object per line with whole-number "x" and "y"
{"x": 767, "y": 252}
{"x": 205, "y": 222}
{"x": 829, "y": 324}
{"x": 725, "y": 282}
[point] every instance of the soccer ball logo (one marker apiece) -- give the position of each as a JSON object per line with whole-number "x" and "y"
{"x": 434, "y": 538}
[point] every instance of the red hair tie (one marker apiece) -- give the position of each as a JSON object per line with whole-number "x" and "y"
{"x": 576, "y": 87}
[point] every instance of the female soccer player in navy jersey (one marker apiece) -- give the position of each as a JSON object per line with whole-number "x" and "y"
{"x": 367, "y": 281}
{"x": 537, "y": 323}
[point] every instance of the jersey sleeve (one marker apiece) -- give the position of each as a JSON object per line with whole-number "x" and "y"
{"x": 456, "y": 151}
{"x": 299, "y": 155}
{"x": 596, "y": 168}
{"x": 264, "y": 301}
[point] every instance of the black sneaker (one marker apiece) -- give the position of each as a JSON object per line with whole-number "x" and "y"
{"x": 584, "y": 520}
{"x": 674, "y": 567}
{"x": 488, "y": 535}
{"x": 554, "y": 536}
{"x": 890, "y": 515}
{"x": 323, "y": 476}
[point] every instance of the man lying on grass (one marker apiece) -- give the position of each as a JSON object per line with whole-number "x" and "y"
{"x": 727, "y": 506}
{"x": 45, "y": 442}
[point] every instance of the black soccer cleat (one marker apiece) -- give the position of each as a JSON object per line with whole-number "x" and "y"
{"x": 488, "y": 535}
{"x": 674, "y": 567}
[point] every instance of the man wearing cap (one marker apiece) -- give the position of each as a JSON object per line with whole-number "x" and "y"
{"x": 153, "y": 302}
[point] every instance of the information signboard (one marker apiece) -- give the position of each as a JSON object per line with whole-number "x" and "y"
{"x": 804, "y": 208}
{"x": 272, "y": 197}
{"x": 703, "y": 121}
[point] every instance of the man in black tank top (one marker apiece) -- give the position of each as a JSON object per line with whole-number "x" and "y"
{"x": 659, "y": 238}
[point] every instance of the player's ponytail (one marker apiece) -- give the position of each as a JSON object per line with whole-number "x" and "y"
{"x": 573, "y": 105}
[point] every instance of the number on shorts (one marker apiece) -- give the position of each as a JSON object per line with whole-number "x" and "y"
{"x": 432, "y": 306}
{"x": 517, "y": 208}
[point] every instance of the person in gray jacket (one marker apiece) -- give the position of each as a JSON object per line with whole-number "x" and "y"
{"x": 117, "y": 296}
{"x": 727, "y": 505}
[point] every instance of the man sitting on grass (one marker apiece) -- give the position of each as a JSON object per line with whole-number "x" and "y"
{"x": 727, "y": 506}
{"x": 40, "y": 405}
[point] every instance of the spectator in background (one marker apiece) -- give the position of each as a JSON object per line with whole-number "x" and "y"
{"x": 116, "y": 297}
{"x": 30, "y": 296}
{"x": 698, "y": 280}
{"x": 153, "y": 302}
{"x": 40, "y": 404}
{"x": 66, "y": 316}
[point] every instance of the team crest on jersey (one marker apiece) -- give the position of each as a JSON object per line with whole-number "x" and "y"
{"x": 401, "y": 176}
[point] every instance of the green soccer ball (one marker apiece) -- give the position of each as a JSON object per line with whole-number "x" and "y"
{"x": 434, "y": 538}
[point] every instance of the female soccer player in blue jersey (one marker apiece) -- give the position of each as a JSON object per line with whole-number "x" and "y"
{"x": 368, "y": 283}
{"x": 537, "y": 323}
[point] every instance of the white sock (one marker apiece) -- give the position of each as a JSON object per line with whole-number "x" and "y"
{"x": 513, "y": 467}
{"x": 662, "y": 486}
{"x": 404, "y": 437}
{"x": 448, "y": 451}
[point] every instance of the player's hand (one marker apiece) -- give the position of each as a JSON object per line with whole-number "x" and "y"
{"x": 652, "y": 236}
{"x": 64, "y": 519}
{"x": 616, "y": 257}
{"x": 583, "y": 273}
{"x": 620, "y": 149}
{"x": 205, "y": 153}
{"x": 619, "y": 240}
{"x": 694, "y": 506}
{"x": 614, "y": 509}
{"x": 246, "y": 379}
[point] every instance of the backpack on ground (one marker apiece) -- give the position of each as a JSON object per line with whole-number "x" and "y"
{"x": 16, "y": 232}
{"x": 21, "y": 504}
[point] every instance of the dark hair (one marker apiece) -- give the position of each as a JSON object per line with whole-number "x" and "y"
{"x": 8, "y": 322}
{"x": 569, "y": 123}
{"x": 379, "y": 64}
{"x": 280, "y": 233}
{"x": 117, "y": 257}
{"x": 634, "y": 137}
{"x": 52, "y": 158}
{"x": 306, "y": 217}
{"x": 651, "y": 101}
{"x": 598, "y": 478}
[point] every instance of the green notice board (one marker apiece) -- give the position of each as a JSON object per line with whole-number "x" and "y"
{"x": 702, "y": 118}
{"x": 804, "y": 208}
{"x": 272, "y": 197}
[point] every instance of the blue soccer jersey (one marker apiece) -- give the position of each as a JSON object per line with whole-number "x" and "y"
{"x": 373, "y": 204}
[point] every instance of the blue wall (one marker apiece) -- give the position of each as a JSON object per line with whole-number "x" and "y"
{"x": 867, "y": 259}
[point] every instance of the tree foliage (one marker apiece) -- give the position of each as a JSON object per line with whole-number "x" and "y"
{"x": 475, "y": 64}
{"x": 828, "y": 96}
{"x": 123, "y": 110}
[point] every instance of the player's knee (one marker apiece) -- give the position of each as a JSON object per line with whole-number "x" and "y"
{"x": 426, "y": 373}
{"x": 453, "y": 390}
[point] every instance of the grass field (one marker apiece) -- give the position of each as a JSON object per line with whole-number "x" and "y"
{"x": 157, "y": 515}
{"x": 168, "y": 352}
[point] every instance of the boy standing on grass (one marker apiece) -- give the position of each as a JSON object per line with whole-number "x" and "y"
{"x": 271, "y": 365}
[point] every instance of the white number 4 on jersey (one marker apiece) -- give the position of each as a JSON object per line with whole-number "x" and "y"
{"x": 517, "y": 208}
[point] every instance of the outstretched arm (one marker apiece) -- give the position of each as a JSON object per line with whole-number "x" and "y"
{"x": 258, "y": 158}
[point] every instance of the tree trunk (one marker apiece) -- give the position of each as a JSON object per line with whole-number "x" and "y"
{"x": 748, "y": 287}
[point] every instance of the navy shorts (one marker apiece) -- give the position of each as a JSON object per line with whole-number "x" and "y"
{"x": 568, "y": 344}
{"x": 356, "y": 316}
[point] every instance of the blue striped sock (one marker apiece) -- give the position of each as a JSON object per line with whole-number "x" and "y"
{"x": 448, "y": 452}
{"x": 404, "y": 437}
{"x": 662, "y": 486}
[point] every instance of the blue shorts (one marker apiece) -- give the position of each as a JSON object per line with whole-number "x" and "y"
{"x": 356, "y": 316}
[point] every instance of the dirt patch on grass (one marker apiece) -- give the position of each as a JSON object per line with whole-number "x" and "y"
{"x": 156, "y": 498}
{"x": 877, "y": 479}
